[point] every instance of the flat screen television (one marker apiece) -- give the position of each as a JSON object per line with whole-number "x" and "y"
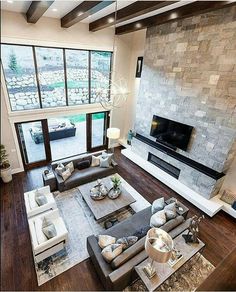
{"x": 171, "y": 133}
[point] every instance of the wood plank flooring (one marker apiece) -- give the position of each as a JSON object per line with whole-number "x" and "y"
{"x": 17, "y": 268}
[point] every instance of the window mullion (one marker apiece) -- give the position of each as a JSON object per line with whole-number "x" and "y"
{"x": 65, "y": 75}
{"x": 89, "y": 76}
{"x": 37, "y": 76}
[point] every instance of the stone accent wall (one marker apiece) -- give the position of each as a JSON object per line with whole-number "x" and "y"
{"x": 189, "y": 75}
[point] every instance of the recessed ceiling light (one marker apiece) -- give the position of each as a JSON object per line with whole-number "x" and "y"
{"x": 54, "y": 9}
{"x": 110, "y": 19}
{"x": 9, "y": 1}
{"x": 138, "y": 25}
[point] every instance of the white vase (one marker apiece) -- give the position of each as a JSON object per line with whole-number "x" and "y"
{"x": 6, "y": 174}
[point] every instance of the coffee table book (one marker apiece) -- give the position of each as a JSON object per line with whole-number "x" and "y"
{"x": 164, "y": 271}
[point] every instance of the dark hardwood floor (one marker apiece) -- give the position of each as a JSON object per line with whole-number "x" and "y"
{"x": 17, "y": 268}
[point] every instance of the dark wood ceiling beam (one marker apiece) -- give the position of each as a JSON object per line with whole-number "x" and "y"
{"x": 133, "y": 10}
{"x": 188, "y": 10}
{"x": 36, "y": 10}
{"x": 82, "y": 11}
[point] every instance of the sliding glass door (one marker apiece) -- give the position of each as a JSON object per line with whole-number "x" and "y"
{"x": 57, "y": 138}
{"x": 33, "y": 142}
{"x": 97, "y": 124}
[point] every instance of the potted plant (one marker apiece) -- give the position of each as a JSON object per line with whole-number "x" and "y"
{"x": 115, "y": 191}
{"x": 5, "y": 165}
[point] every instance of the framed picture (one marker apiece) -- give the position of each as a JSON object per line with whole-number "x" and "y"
{"x": 139, "y": 67}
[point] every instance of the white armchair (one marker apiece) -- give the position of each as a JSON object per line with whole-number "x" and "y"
{"x": 43, "y": 247}
{"x": 32, "y": 208}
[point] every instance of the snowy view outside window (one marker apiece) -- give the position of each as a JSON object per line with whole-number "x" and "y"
{"x": 19, "y": 69}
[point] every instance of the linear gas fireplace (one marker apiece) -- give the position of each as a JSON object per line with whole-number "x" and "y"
{"x": 167, "y": 167}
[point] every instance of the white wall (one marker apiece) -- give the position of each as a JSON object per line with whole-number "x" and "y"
{"x": 48, "y": 32}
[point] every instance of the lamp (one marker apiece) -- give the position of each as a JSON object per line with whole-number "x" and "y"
{"x": 158, "y": 246}
{"x": 113, "y": 134}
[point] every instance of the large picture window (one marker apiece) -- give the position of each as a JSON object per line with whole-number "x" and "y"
{"x": 45, "y": 77}
{"x": 19, "y": 69}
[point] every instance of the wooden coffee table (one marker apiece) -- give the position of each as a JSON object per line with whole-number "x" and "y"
{"x": 106, "y": 207}
{"x": 164, "y": 271}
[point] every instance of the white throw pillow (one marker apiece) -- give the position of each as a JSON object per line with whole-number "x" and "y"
{"x": 70, "y": 166}
{"x": 158, "y": 219}
{"x": 60, "y": 168}
{"x": 111, "y": 251}
{"x": 158, "y": 205}
{"x": 66, "y": 174}
{"x": 95, "y": 161}
{"x": 105, "y": 240}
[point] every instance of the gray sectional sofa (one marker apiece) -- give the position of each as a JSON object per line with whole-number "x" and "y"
{"x": 120, "y": 273}
{"x": 83, "y": 176}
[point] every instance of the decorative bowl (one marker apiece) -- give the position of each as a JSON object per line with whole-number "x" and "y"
{"x": 114, "y": 193}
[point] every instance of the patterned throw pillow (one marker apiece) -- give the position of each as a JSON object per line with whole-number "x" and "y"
{"x": 158, "y": 219}
{"x": 111, "y": 251}
{"x": 95, "y": 161}
{"x": 48, "y": 228}
{"x": 228, "y": 197}
{"x": 127, "y": 241}
{"x": 158, "y": 205}
{"x": 105, "y": 240}
{"x": 66, "y": 174}
{"x": 70, "y": 166}
{"x": 40, "y": 198}
{"x": 171, "y": 211}
{"x": 60, "y": 168}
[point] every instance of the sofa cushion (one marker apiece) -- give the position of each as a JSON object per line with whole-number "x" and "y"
{"x": 158, "y": 219}
{"x": 171, "y": 224}
{"x": 41, "y": 237}
{"x": 111, "y": 251}
{"x": 141, "y": 232}
{"x": 105, "y": 240}
{"x": 83, "y": 164}
{"x": 127, "y": 241}
{"x": 171, "y": 211}
{"x": 158, "y": 205}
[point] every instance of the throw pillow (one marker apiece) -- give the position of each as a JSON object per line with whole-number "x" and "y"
{"x": 111, "y": 251}
{"x": 60, "y": 168}
{"x": 70, "y": 166}
{"x": 228, "y": 197}
{"x": 158, "y": 205}
{"x": 66, "y": 174}
{"x": 105, "y": 240}
{"x": 171, "y": 211}
{"x": 158, "y": 219}
{"x": 40, "y": 198}
{"x": 104, "y": 162}
{"x": 127, "y": 241}
{"x": 105, "y": 155}
{"x": 48, "y": 228}
{"x": 95, "y": 161}
{"x": 83, "y": 164}
{"x": 140, "y": 233}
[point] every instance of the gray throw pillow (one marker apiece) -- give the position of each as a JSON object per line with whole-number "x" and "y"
{"x": 104, "y": 162}
{"x": 105, "y": 155}
{"x": 170, "y": 211}
{"x": 40, "y": 198}
{"x": 158, "y": 219}
{"x": 48, "y": 228}
{"x": 158, "y": 205}
{"x": 60, "y": 169}
{"x": 111, "y": 251}
{"x": 127, "y": 241}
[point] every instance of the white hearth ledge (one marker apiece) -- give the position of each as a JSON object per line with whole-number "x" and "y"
{"x": 210, "y": 207}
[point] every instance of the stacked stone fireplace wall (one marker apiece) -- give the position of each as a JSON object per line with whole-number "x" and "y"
{"x": 189, "y": 75}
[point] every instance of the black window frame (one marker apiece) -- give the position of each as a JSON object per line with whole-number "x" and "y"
{"x": 65, "y": 73}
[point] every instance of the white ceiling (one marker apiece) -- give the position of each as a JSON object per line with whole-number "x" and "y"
{"x": 60, "y": 8}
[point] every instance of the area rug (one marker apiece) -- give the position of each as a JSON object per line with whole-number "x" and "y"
{"x": 80, "y": 224}
{"x": 187, "y": 278}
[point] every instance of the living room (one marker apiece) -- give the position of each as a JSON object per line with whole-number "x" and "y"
{"x": 118, "y": 145}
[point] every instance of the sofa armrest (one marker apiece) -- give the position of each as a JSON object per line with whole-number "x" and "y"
{"x": 60, "y": 182}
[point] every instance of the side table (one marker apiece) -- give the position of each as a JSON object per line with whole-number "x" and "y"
{"x": 181, "y": 208}
{"x": 50, "y": 180}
